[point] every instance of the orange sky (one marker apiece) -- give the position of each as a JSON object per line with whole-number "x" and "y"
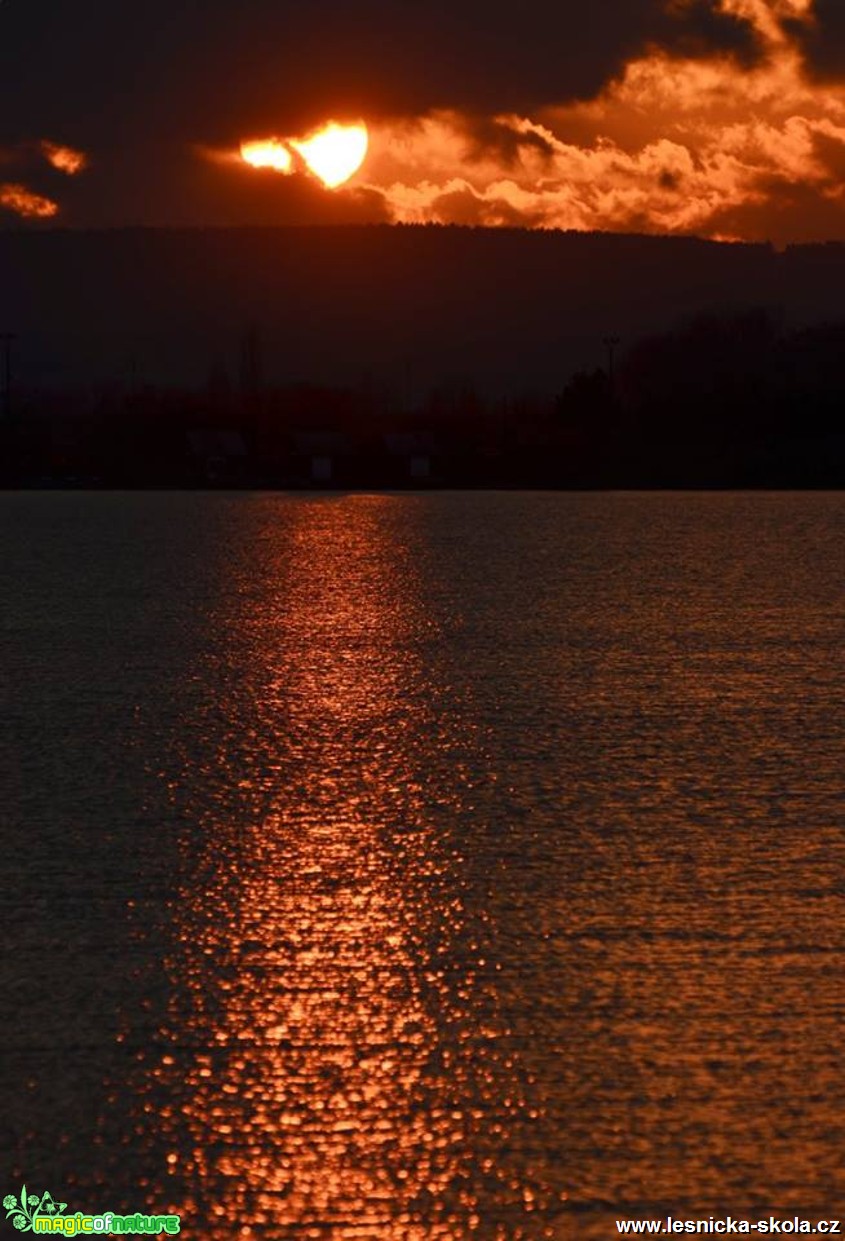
{"x": 723, "y": 144}
{"x": 673, "y": 144}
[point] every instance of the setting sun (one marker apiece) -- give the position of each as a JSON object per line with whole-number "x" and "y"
{"x": 335, "y": 152}
{"x": 332, "y": 154}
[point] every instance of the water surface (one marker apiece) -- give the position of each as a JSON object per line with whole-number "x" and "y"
{"x": 423, "y": 866}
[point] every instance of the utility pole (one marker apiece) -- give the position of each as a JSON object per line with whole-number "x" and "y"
{"x": 6, "y": 338}
{"x": 610, "y": 343}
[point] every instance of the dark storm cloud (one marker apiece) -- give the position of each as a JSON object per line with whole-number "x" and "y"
{"x": 830, "y": 152}
{"x": 824, "y": 41}
{"x": 696, "y": 28}
{"x": 97, "y": 72}
{"x": 788, "y": 210}
{"x": 163, "y": 184}
{"x": 486, "y": 136}
{"x": 467, "y": 208}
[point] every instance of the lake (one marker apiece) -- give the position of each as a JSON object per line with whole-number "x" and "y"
{"x": 424, "y": 866}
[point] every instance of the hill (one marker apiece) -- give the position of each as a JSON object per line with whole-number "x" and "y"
{"x": 405, "y": 308}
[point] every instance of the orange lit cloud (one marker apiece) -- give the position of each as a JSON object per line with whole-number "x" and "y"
{"x": 64, "y": 158}
{"x": 17, "y": 197}
{"x": 674, "y": 144}
{"x": 21, "y": 201}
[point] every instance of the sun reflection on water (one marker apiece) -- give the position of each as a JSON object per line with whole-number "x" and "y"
{"x": 329, "y": 1046}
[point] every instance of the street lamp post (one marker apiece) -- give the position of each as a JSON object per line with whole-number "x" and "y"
{"x": 7, "y": 338}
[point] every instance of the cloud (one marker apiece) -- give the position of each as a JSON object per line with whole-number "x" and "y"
{"x": 27, "y": 154}
{"x": 64, "y": 158}
{"x": 25, "y": 162}
{"x": 24, "y": 203}
{"x": 676, "y": 143}
{"x": 155, "y": 184}
{"x": 678, "y": 115}
{"x": 215, "y": 71}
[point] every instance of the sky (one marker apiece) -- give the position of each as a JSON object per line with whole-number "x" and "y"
{"x": 719, "y": 118}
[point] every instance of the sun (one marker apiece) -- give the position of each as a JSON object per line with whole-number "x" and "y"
{"x": 335, "y": 152}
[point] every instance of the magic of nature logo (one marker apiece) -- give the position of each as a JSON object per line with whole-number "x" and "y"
{"x": 42, "y": 1213}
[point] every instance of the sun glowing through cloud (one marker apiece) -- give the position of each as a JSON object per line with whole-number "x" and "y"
{"x": 676, "y": 143}
{"x": 21, "y": 201}
{"x": 267, "y": 153}
{"x": 334, "y": 153}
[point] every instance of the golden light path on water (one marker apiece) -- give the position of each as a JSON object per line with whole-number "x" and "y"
{"x": 335, "y": 1066}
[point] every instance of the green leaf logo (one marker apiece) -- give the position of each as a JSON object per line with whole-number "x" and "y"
{"x": 23, "y": 1213}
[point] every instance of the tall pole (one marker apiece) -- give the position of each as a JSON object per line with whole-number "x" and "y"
{"x": 611, "y": 342}
{"x": 7, "y": 338}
